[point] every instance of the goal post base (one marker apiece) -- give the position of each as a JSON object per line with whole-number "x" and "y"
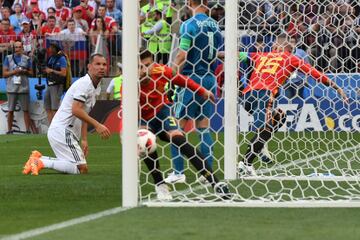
{"x": 260, "y": 204}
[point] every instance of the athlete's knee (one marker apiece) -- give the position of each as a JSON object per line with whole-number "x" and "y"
{"x": 83, "y": 168}
{"x": 182, "y": 123}
{"x": 175, "y": 134}
{"x": 203, "y": 123}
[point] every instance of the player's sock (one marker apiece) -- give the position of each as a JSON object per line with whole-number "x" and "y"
{"x": 59, "y": 165}
{"x": 263, "y": 135}
{"x": 152, "y": 163}
{"x": 196, "y": 159}
{"x": 206, "y": 145}
{"x": 256, "y": 145}
{"x": 258, "y": 142}
{"x": 177, "y": 159}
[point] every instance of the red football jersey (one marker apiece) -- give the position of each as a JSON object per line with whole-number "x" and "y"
{"x": 85, "y": 16}
{"x": 6, "y": 37}
{"x": 64, "y": 13}
{"x": 109, "y": 23}
{"x": 272, "y": 69}
{"x": 153, "y": 93}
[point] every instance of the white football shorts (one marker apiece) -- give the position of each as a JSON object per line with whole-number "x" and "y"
{"x": 66, "y": 146}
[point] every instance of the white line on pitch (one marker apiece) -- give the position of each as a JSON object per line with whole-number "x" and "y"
{"x": 65, "y": 224}
{"x": 300, "y": 161}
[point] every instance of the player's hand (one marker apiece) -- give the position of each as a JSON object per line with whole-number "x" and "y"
{"x": 85, "y": 147}
{"x": 103, "y": 131}
{"x": 343, "y": 95}
{"x": 209, "y": 95}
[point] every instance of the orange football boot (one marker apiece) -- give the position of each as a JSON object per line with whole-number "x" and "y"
{"x": 36, "y": 166}
{"x": 34, "y": 155}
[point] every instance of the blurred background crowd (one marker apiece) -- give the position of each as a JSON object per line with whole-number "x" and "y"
{"x": 328, "y": 31}
{"x": 37, "y": 23}
{"x": 326, "y": 34}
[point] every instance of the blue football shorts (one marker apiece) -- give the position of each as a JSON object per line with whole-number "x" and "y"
{"x": 162, "y": 121}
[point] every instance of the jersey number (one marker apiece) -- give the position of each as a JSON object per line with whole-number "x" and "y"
{"x": 211, "y": 45}
{"x": 172, "y": 122}
{"x": 269, "y": 65}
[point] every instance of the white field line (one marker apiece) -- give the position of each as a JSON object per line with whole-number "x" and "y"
{"x": 305, "y": 178}
{"x": 184, "y": 192}
{"x": 153, "y": 202}
{"x": 65, "y": 224}
{"x": 300, "y": 161}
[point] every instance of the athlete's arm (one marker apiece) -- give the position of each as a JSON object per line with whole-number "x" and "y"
{"x": 179, "y": 61}
{"x": 183, "y": 81}
{"x": 79, "y": 112}
{"x": 307, "y": 68}
{"x": 84, "y": 142}
{"x": 185, "y": 45}
{"x": 317, "y": 75}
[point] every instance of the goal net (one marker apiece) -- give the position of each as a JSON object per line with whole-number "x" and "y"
{"x": 311, "y": 156}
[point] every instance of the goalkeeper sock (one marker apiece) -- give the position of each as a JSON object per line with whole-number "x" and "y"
{"x": 196, "y": 158}
{"x": 177, "y": 159}
{"x": 152, "y": 163}
{"x": 206, "y": 145}
{"x": 60, "y": 165}
{"x": 256, "y": 145}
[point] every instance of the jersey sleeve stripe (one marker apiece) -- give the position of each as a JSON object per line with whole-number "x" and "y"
{"x": 79, "y": 100}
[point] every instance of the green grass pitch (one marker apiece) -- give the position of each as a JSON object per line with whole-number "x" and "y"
{"x": 28, "y": 202}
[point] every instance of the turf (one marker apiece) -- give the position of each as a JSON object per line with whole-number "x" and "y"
{"x": 28, "y": 202}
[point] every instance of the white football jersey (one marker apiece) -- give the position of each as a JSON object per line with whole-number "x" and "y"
{"x": 82, "y": 90}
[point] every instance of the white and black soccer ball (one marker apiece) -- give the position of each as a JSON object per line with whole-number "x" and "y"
{"x": 146, "y": 142}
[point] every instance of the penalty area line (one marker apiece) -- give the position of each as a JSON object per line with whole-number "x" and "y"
{"x": 65, "y": 224}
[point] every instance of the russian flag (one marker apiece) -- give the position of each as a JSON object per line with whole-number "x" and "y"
{"x": 76, "y": 50}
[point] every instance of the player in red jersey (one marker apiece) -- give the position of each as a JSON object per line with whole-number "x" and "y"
{"x": 155, "y": 115}
{"x": 271, "y": 70}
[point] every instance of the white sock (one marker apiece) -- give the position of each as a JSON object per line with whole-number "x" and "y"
{"x": 59, "y": 165}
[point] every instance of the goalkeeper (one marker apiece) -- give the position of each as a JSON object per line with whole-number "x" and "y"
{"x": 199, "y": 43}
{"x": 156, "y": 115}
{"x": 270, "y": 72}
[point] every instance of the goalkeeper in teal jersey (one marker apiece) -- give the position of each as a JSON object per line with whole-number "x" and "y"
{"x": 199, "y": 42}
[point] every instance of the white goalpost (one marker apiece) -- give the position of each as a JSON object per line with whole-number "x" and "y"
{"x": 231, "y": 89}
{"x": 130, "y": 51}
{"x": 315, "y": 155}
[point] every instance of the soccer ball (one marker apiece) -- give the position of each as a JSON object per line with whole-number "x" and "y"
{"x": 146, "y": 142}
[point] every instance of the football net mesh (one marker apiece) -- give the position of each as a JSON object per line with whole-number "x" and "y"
{"x": 315, "y": 155}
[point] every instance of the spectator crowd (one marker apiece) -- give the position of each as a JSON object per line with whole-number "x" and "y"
{"x": 328, "y": 31}
{"x": 36, "y": 23}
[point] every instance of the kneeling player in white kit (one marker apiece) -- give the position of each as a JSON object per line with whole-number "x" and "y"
{"x": 70, "y": 124}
